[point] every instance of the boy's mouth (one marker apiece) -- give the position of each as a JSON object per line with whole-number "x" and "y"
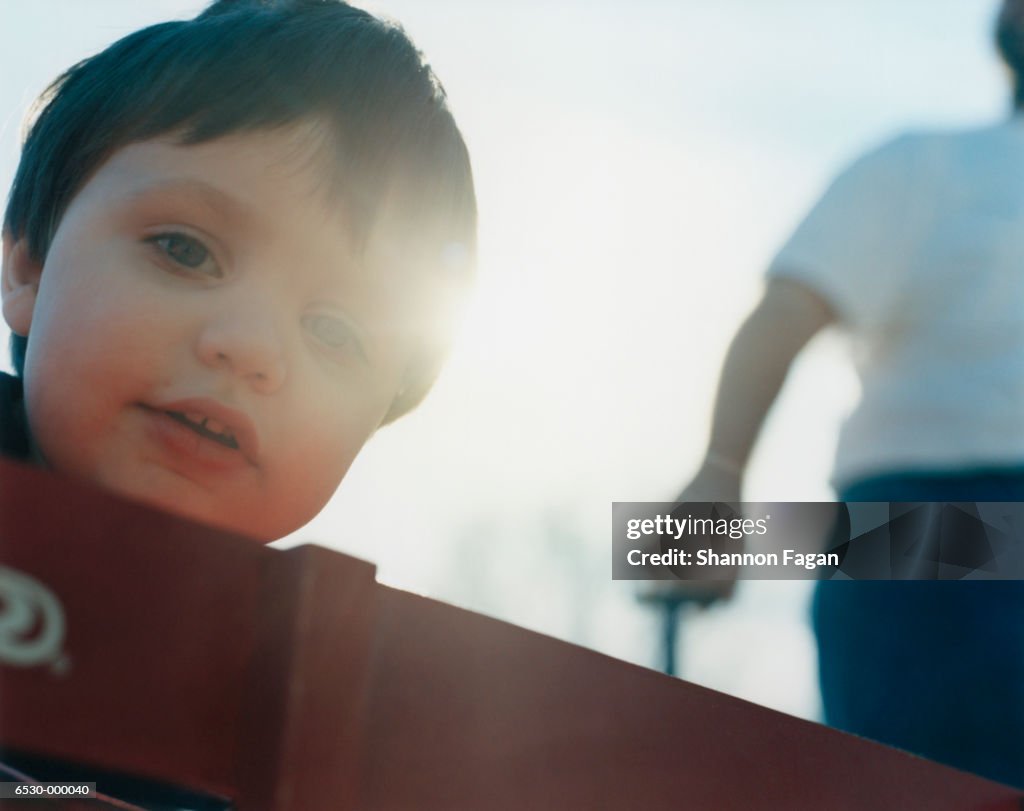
{"x": 227, "y": 427}
{"x": 207, "y": 427}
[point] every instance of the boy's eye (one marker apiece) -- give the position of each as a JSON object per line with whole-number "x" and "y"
{"x": 187, "y": 252}
{"x": 334, "y": 332}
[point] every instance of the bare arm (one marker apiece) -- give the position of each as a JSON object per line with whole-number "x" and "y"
{"x": 788, "y": 315}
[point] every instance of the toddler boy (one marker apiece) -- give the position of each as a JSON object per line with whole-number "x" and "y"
{"x": 227, "y": 253}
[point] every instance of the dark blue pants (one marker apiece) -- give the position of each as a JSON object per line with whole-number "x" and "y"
{"x": 935, "y": 668}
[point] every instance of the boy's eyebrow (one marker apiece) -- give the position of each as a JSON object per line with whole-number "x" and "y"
{"x": 216, "y": 201}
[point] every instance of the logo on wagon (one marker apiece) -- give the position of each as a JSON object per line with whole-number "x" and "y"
{"x": 31, "y": 623}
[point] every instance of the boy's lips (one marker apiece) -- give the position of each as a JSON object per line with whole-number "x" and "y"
{"x": 225, "y": 419}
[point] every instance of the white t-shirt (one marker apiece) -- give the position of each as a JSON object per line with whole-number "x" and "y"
{"x": 919, "y": 246}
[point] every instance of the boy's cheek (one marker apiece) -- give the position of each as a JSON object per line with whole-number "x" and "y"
{"x": 72, "y": 435}
{"x": 316, "y": 460}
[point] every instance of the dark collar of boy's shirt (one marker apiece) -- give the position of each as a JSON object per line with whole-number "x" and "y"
{"x": 14, "y": 438}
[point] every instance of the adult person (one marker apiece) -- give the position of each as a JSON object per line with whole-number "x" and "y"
{"x": 917, "y": 252}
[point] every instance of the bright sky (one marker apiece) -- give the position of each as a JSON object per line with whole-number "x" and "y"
{"x": 637, "y": 165}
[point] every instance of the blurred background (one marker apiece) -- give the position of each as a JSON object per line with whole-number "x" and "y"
{"x": 637, "y": 166}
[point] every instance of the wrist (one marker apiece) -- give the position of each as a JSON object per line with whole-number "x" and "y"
{"x": 722, "y": 464}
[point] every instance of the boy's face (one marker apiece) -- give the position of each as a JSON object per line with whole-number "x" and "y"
{"x": 215, "y": 283}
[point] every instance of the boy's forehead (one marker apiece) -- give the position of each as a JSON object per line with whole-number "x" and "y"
{"x": 257, "y": 179}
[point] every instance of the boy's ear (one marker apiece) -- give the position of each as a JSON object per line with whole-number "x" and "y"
{"x": 19, "y": 284}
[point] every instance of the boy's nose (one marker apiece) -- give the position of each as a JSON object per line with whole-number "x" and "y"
{"x": 245, "y": 349}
